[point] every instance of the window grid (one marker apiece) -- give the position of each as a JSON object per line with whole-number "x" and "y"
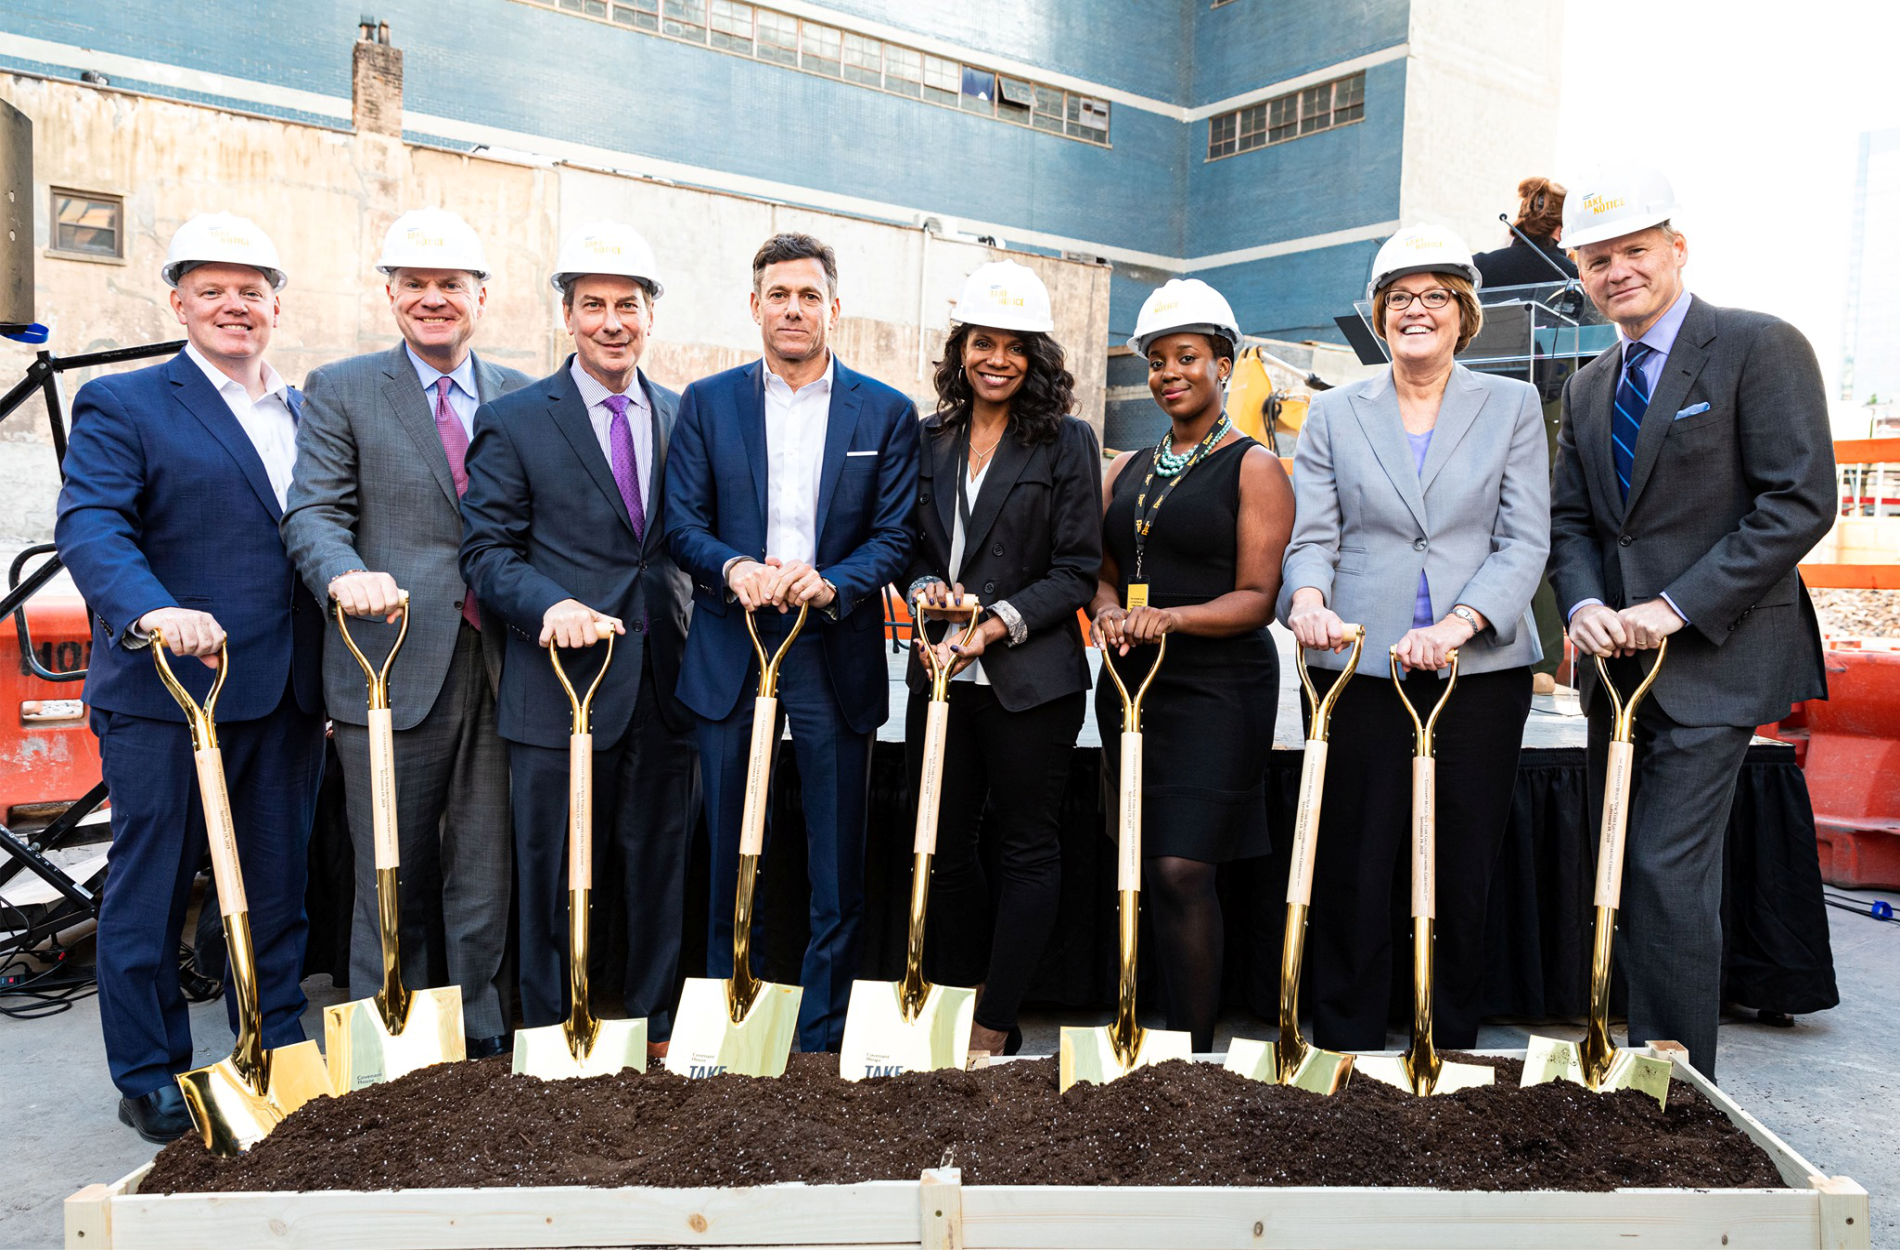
{"x": 86, "y": 223}
{"x": 744, "y": 29}
{"x": 1322, "y": 107}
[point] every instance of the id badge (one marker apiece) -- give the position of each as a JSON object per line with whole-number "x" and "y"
{"x": 1137, "y": 595}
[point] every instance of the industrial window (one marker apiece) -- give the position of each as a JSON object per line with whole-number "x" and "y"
{"x": 1289, "y": 116}
{"x": 741, "y": 28}
{"x": 732, "y": 26}
{"x": 88, "y": 224}
{"x": 778, "y": 37}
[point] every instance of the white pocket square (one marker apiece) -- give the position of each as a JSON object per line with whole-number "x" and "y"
{"x": 873, "y": 452}
{"x": 1690, "y": 411}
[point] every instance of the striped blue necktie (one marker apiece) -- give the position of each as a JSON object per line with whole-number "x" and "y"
{"x": 1632, "y": 401}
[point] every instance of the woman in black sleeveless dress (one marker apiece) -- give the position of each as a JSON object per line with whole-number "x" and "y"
{"x": 1209, "y": 570}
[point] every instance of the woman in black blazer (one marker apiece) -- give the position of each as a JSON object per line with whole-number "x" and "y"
{"x": 1023, "y": 535}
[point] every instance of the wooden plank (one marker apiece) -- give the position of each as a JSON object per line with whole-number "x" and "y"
{"x": 941, "y": 1197}
{"x": 1795, "y": 1171}
{"x": 1844, "y": 1223}
{"x": 89, "y": 1219}
{"x": 877, "y": 1212}
{"x": 1168, "y": 1218}
{"x": 1851, "y": 576}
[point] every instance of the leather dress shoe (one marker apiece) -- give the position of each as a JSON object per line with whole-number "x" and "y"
{"x": 489, "y": 1047}
{"x": 159, "y": 1117}
{"x": 656, "y": 1051}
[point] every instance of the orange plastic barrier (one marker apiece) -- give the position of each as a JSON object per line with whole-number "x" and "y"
{"x": 1849, "y": 749}
{"x": 47, "y": 754}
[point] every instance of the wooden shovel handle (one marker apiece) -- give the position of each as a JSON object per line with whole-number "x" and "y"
{"x": 1299, "y": 881}
{"x": 758, "y": 775}
{"x": 1616, "y": 801}
{"x": 1128, "y": 809}
{"x": 382, "y": 787}
{"x": 221, "y": 833}
{"x": 930, "y": 779}
{"x": 580, "y": 812}
{"x": 1424, "y": 839}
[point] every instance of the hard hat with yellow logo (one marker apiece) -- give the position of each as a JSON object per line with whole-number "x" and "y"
{"x": 222, "y": 239}
{"x": 1615, "y": 202}
{"x": 610, "y": 248}
{"x": 1004, "y": 295}
{"x": 432, "y": 238}
{"x": 1422, "y": 249}
{"x": 1185, "y": 306}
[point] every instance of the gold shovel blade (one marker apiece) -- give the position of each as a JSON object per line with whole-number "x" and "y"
{"x": 879, "y": 1041}
{"x": 1319, "y": 1072}
{"x": 1395, "y": 1071}
{"x": 361, "y": 1051}
{"x": 707, "y": 1043}
{"x": 232, "y": 1113}
{"x": 1548, "y": 1059}
{"x": 1089, "y": 1054}
{"x": 545, "y": 1052}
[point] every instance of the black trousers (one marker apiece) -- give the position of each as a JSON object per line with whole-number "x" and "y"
{"x": 981, "y": 931}
{"x": 1361, "y": 909}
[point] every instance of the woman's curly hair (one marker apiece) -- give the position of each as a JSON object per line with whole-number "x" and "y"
{"x": 1047, "y": 394}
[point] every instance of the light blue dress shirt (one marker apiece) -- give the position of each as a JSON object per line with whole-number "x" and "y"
{"x": 462, "y": 397}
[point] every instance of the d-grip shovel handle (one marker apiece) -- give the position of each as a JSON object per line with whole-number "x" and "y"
{"x": 1299, "y": 882}
{"x": 764, "y": 723}
{"x": 220, "y": 832}
{"x": 1128, "y": 797}
{"x": 1616, "y": 787}
{"x": 936, "y": 719}
{"x": 1424, "y": 789}
{"x": 580, "y": 766}
{"x": 382, "y": 741}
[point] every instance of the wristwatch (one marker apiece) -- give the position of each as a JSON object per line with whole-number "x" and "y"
{"x": 1467, "y": 616}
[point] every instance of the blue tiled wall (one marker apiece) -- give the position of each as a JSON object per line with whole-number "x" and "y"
{"x": 1251, "y": 43}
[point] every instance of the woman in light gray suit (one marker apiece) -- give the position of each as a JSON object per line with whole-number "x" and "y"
{"x": 1424, "y": 515}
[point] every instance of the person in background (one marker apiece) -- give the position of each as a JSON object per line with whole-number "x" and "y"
{"x": 1008, "y": 510}
{"x": 1202, "y": 572}
{"x": 562, "y": 529}
{"x": 1424, "y": 516}
{"x": 791, "y": 484}
{"x": 1540, "y": 216}
{"x": 375, "y": 510}
{"x": 1695, "y": 471}
{"x": 175, "y": 482}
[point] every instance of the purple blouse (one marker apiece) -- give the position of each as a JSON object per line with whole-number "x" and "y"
{"x": 1422, "y": 605}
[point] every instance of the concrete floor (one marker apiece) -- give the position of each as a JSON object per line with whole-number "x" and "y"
{"x": 1828, "y": 1086}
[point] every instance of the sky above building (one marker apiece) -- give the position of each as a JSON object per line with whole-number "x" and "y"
{"x": 1754, "y": 110}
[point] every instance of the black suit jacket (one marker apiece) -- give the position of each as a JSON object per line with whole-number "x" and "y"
{"x": 1035, "y": 540}
{"x": 542, "y": 522}
{"x": 1723, "y": 503}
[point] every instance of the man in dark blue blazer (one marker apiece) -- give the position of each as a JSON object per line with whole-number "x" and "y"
{"x": 175, "y": 481}
{"x": 790, "y": 483}
{"x": 562, "y": 531}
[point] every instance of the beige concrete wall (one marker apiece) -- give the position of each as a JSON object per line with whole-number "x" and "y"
{"x": 1481, "y": 93}
{"x": 326, "y": 198}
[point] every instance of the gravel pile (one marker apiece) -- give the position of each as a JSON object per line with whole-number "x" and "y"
{"x": 1858, "y": 613}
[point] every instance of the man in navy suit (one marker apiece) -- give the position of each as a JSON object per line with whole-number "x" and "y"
{"x": 791, "y": 483}
{"x": 175, "y": 481}
{"x": 562, "y": 528}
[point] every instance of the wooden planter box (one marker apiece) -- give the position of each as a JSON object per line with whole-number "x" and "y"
{"x": 938, "y": 1211}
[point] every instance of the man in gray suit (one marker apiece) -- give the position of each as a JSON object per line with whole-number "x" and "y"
{"x": 374, "y": 510}
{"x": 1694, "y": 470}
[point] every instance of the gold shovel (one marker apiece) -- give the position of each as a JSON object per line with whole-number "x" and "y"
{"x": 582, "y": 1044}
{"x": 745, "y": 1025}
{"x": 236, "y": 1102}
{"x": 398, "y": 1030}
{"x": 910, "y": 1025}
{"x": 1100, "y": 1055}
{"x": 1598, "y": 1064}
{"x": 1420, "y": 1069}
{"x": 1295, "y": 1062}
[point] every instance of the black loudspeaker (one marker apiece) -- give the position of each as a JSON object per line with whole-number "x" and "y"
{"x": 16, "y": 218}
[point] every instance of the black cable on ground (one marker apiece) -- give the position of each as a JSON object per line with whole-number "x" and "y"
{"x": 1877, "y": 909}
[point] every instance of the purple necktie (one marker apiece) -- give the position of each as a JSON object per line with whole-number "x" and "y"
{"x": 448, "y": 427}
{"x": 626, "y": 465}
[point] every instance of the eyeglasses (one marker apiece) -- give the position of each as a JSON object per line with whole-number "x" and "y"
{"x": 1399, "y": 301}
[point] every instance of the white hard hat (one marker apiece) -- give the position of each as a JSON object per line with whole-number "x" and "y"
{"x": 1184, "y": 305}
{"x": 1422, "y": 249}
{"x": 432, "y": 238}
{"x": 1004, "y": 295}
{"x": 222, "y": 239}
{"x": 1615, "y": 202}
{"x": 607, "y": 247}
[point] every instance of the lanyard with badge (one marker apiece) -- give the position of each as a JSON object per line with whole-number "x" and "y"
{"x": 1172, "y": 469}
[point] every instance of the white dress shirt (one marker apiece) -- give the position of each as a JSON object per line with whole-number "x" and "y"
{"x": 267, "y": 422}
{"x": 463, "y": 401}
{"x": 639, "y": 418}
{"x": 973, "y": 488}
{"x": 795, "y": 422}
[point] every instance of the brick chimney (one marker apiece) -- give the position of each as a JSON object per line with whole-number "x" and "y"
{"x": 376, "y": 81}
